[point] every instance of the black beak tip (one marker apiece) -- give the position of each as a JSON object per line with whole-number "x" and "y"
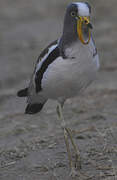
{"x": 90, "y": 26}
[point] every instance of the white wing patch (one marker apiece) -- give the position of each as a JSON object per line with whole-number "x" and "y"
{"x": 45, "y": 57}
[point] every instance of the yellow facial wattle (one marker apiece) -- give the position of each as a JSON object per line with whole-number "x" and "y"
{"x": 80, "y": 22}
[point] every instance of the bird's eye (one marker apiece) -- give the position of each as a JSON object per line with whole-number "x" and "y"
{"x": 73, "y": 14}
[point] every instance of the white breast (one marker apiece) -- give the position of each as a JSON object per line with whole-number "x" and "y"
{"x": 67, "y": 77}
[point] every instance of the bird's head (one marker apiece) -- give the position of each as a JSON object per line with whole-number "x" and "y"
{"x": 77, "y": 19}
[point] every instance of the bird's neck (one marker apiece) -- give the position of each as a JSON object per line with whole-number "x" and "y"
{"x": 70, "y": 36}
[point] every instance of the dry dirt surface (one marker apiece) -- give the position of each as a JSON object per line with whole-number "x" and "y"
{"x": 32, "y": 147}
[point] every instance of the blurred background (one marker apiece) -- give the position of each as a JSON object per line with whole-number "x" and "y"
{"x": 26, "y": 27}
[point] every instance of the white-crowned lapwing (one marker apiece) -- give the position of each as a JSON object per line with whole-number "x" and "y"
{"x": 64, "y": 69}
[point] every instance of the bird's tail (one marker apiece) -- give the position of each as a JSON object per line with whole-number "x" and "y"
{"x": 22, "y": 92}
{"x": 34, "y": 108}
{"x": 31, "y": 108}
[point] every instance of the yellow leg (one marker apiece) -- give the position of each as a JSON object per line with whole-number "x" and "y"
{"x": 68, "y": 133}
{"x": 68, "y": 149}
{"x": 63, "y": 125}
{"x": 76, "y": 150}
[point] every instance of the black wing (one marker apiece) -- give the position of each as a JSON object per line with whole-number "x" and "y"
{"x": 24, "y": 92}
{"x": 39, "y": 74}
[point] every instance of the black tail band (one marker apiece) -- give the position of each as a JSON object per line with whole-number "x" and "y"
{"x": 23, "y": 92}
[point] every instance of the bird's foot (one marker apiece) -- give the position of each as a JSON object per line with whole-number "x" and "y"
{"x": 79, "y": 174}
{"x": 73, "y": 172}
{"x": 76, "y": 166}
{"x": 78, "y": 162}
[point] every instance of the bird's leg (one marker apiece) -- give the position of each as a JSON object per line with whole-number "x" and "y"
{"x": 77, "y": 152}
{"x": 67, "y": 132}
{"x": 63, "y": 125}
{"x": 60, "y": 115}
{"x": 68, "y": 149}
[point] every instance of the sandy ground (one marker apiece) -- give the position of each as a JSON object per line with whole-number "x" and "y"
{"x": 32, "y": 147}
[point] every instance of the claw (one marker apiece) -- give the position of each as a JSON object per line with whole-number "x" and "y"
{"x": 73, "y": 173}
{"x": 77, "y": 162}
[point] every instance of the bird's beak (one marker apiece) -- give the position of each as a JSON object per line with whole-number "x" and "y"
{"x": 86, "y": 20}
{"x": 80, "y": 21}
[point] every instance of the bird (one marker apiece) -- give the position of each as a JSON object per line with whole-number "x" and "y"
{"x": 64, "y": 69}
